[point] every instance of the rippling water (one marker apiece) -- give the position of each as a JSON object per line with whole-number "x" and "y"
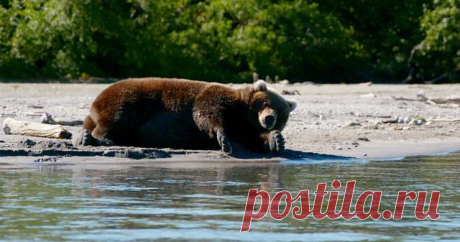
{"x": 206, "y": 200}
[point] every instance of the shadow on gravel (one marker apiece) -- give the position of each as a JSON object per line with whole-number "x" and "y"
{"x": 288, "y": 155}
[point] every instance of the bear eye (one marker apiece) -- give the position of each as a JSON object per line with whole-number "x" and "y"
{"x": 265, "y": 104}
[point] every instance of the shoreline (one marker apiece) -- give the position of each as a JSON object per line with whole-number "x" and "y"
{"x": 337, "y": 122}
{"x": 200, "y": 158}
{"x": 108, "y": 163}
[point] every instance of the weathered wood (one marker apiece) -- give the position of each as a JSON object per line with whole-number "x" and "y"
{"x": 287, "y": 92}
{"x": 445, "y": 120}
{"x": 15, "y": 127}
{"x": 446, "y": 100}
{"x": 48, "y": 119}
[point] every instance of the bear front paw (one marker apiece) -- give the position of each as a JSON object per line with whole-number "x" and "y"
{"x": 276, "y": 141}
{"x": 224, "y": 142}
{"x": 82, "y": 138}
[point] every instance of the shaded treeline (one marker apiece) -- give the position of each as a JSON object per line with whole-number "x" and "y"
{"x": 228, "y": 40}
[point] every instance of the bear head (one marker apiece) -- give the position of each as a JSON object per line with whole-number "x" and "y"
{"x": 268, "y": 109}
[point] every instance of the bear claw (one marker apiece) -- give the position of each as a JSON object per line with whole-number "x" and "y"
{"x": 82, "y": 138}
{"x": 105, "y": 142}
{"x": 87, "y": 138}
{"x": 276, "y": 141}
{"x": 224, "y": 142}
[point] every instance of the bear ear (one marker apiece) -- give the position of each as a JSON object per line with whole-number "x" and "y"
{"x": 260, "y": 86}
{"x": 292, "y": 104}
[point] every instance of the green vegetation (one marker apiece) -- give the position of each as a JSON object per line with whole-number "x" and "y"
{"x": 228, "y": 40}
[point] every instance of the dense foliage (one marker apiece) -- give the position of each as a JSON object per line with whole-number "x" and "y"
{"x": 440, "y": 48}
{"x": 228, "y": 40}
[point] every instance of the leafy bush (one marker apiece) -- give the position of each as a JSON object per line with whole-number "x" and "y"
{"x": 388, "y": 30}
{"x": 440, "y": 50}
{"x": 228, "y": 40}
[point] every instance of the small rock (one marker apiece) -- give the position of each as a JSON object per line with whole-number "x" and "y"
{"x": 28, "y": 142}
{"x": 352, "y": 124}
{"x": 406, "y": 128}
{"x": 419, "y": 122}
{"x": 397, "y": 128}
{"x": 369, "y": 95}
{"x": 377, "y": 122}
{"x": 428, "y": 123}
{"x": 2, "y": 141}
{"x": 356, "y": 144}
{"x": 407, "y": 120}
{"x": 400, "y": 120}
{"x": 364, "y": 139}
{"x": 364, "y": 154}
{"x": 338, "y": 148}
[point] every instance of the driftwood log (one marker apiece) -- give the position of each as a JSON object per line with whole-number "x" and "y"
{"x": 455, "y": 120}
{"x": 48, "y": 119}
{"x": 15, "y": 127}
{"x": 287, "y": 92}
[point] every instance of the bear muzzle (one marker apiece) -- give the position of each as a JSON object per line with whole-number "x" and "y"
{"x": 267, "y": 119}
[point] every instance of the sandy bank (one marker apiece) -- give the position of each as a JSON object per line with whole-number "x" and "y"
{"x": 332, "y": 121}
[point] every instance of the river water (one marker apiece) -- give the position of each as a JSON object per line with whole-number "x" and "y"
{"x": 206, "y": 200}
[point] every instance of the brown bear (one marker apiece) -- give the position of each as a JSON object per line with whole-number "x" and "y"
{"x": 177, "y": 113}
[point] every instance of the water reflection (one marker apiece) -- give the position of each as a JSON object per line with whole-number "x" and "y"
{"x": 206, "y": 200}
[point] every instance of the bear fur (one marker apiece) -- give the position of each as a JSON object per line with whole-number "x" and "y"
{"x": 184, "y": 114}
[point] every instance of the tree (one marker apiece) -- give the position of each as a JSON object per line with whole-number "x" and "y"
{"x": 439, "y": 52}
{"x": 231, "y": 39}
{"x": 387, "y": 30}
{"x": 228, "y": 40}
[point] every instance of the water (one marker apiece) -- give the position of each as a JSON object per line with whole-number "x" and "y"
{"x": 206, "y": 200}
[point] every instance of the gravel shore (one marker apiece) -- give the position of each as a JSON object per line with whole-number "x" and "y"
{"x": 332, "y": 121}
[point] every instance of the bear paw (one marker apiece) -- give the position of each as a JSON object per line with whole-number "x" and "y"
{"x": 105, "y": 142}
{"x": 87, "y": 138}
{"x": 276, "y": 141}
{"x": 82, "y": 138}
{"x": 224, "y": 142}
